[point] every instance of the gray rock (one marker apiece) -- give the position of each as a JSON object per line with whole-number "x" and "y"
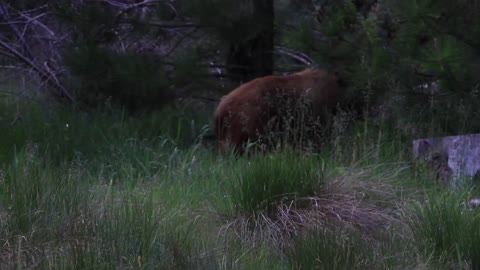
{"x": 474, "y": 202}
{"x": 454, "y": 158}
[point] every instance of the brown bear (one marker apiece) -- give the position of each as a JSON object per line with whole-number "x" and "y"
{"x": 274, "y": 105}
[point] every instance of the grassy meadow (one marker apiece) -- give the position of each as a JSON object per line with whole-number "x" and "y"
{"x": 107, "y": 191}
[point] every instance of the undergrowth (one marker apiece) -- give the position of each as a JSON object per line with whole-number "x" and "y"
{"x": 108, "y": 191}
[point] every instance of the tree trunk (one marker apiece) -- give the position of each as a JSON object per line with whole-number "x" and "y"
{"x": 254, "y": 57}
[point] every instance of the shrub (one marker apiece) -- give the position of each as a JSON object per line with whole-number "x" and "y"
{"x": 131, "y": 80}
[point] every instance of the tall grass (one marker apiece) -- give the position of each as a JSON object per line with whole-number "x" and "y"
{"x": 329, "y": 248}
{"x": 275, "y": 197}
{"x": 131, "y": 233}
{"x": 113, "y": 192}
{"x": 63, "y": 220}
{"x": 43, "y": 200}
{"x": 447, "y": 229}
{"x": 67, "y": 133}
{"x": 264, "y": 182}
{"x": 74, "y": 192}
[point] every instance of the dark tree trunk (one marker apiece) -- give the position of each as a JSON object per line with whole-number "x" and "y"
{"x": 254, "y": 57}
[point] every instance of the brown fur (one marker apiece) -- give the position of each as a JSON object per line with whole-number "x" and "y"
{"x": 245, "y": 113}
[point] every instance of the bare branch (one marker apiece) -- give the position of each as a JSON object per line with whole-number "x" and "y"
{"x": 172, "y": 25}
{"x": 6, "y": 16}
{"x": 126, "y": 7}
{"x": 6, "y": 54}
{"x": 129, "y": 6}
{"x": 298, "y": 56}
{"x": 13, "y": 67}
{"x": 33, "y": 9}
{"x": 47, "y": 76}
{"x": 35, "y": 20}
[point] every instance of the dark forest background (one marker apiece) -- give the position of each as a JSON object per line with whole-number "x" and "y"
{"x": 413, "y": 58}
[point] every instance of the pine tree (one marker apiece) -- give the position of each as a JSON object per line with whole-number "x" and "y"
{"x": 385, "y": 48}
{"x": 246, "y": 26}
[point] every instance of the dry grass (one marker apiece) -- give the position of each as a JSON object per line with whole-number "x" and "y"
{"x": 365, "y": 199}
